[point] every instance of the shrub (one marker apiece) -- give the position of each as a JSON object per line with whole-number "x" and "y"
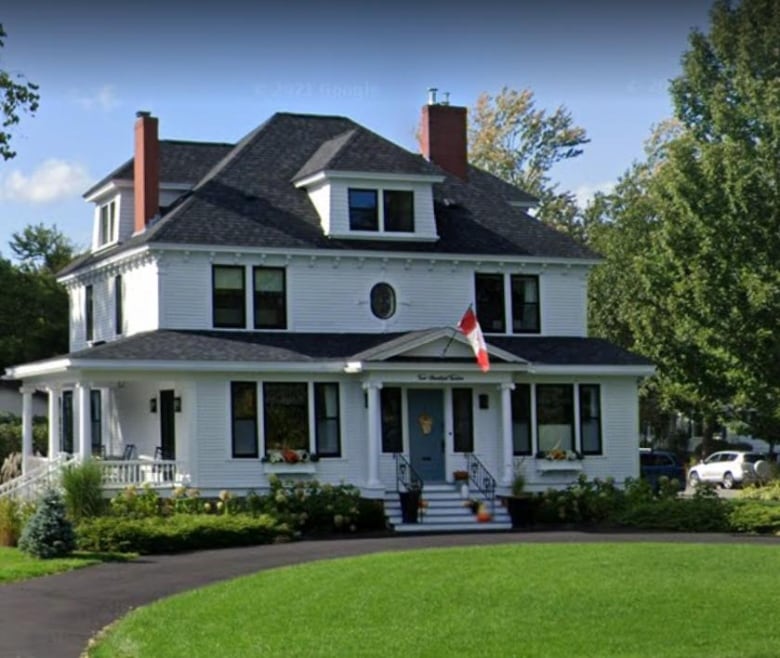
{"x": 703, "y": 512}
{"x": 48, "y": 533}
{"x": 135, "y": 503}
{"x": 181, "y": 532}
{"x": 755, "y": 516}
{"x": 584, "y": 501}
{"x": 11, "y": 468}
{"x": 83, "y": 490}
{"x": 770, "y": 491}
{"x": 10, "y": 521}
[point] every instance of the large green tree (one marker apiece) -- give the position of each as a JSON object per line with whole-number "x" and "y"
{"x": 514, "y": 140}
{"x": 33, "y": 306}
{"x": 17, "y": 96}
{"x": 699, "y": 241}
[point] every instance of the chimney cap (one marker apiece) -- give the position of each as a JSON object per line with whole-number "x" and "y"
{"x": 143, "y": 113}
{"x": 432, "y": 95}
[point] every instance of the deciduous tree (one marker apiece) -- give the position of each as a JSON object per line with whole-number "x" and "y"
{"x": 17, "y": 96}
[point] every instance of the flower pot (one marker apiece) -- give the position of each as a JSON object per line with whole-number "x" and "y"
{"x": 464, "y": 490}
{"x": 410, "y": 505}
{"x": 521, "y": 511}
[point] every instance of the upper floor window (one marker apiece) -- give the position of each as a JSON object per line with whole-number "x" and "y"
{"x": 523, "y": 303}
{"x": 89, "y": 313}
{"x": 118, "y": 318}
{"x": 229, "y": 298}
{"x": 395, "y": 213}
{"x": 107, "y": 223}
{"x": 489, "y": 289}
{"x": 270, "y": 298}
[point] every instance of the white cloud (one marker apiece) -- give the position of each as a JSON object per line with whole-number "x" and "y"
{"x": 104, "y": 99}
{"x": 51, "y": 181}
{"x": 584, "y": 193}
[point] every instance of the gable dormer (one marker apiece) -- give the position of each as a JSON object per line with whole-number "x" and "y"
{"x": 367, "y": 188}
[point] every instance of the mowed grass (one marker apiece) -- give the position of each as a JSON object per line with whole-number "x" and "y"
{"x": 15, "y": 565}
{"x": 549, "y": 600}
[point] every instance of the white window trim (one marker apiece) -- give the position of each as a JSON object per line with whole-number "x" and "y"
{"x": 101, "y": 239}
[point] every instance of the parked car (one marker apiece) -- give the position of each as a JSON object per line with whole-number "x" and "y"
{"x": 730, "y": 468}
{"x": 654, "y": 464}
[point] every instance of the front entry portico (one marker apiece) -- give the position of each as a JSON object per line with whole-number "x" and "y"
{"x": 426, "y": 433}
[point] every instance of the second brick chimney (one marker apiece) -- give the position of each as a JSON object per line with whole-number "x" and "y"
{"x": 146, "y": 170}
{"x": 443, "y": 136}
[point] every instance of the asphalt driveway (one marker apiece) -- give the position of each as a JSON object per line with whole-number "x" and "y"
{"x": 54, "y": 616}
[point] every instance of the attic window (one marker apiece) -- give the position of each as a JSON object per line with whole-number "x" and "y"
{"x": 107, "y": 223}
{"x": 394, "y": 215}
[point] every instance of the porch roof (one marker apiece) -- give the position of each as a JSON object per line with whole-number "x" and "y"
{"x": 246, "y": 347}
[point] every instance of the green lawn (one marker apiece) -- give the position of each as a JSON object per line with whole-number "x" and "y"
{"x": 15, "y": 565}
{"x": 525, "y": 600}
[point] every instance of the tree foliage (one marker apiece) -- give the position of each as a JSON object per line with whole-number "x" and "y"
{"x": 512, "y": 139}
{"x": 693, "y": 242}
{"x": 33, "y": 306}
{"x": 17, "y": 95}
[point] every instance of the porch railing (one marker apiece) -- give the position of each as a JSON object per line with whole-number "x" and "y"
{"x": 30, "y": 484}
{"x": 481, "y": 478}
{"x": 121, "y": 473}
{"x": 407, "y": 479}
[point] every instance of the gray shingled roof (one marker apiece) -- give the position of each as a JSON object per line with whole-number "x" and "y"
{"x": 242, "y": 346}
{"x": 248, "y": 198}
{"x": 180, "y": 162}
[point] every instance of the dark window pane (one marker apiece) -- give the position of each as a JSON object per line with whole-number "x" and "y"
{"x": 66, "y": 441}
{"x": 490, "y": 302}
{"x": 326, "y": 413}
{"x": 392, "y": 437}
{"x": 243, "y": 405}
{"x": 363, "y": 214}
{"x": 590, "y": 418}
{"x": 383, "y": 301}
{"x": 118, "y": 319}
{"x": 270, "y": 298}
{"x": 286, "y": 411}
{"x": 521, "y": 419}
{"x": 229, "y": 297}
{"x": 463, "y": 419}
{"x": 525, "y": 304}
{"x": 399, "y": 210}
{"x": 96, "y": 414}
{"x": 555, "y": 416}
{"x": 89, "y": 313}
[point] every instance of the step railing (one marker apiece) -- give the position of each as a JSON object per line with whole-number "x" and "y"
{"x": 34, "y": 481}
{"x": 406, "y": 478}
{"x": 482, "y": 480}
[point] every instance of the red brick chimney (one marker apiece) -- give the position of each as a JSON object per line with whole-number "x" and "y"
{"x": 147, "y": 170}
{"x": 443, "y": 136}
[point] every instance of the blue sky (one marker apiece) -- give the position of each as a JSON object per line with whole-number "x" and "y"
{"x": 215, "y": 73}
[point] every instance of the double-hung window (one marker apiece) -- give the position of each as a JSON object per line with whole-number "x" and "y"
{"x": 555, "y": 416}
{"x": 107, "y": 223}
{"x": 243, "y": 403}
{"x": 521, "y": 419}
{"x": 463, "y": 419}
{"x": 590, "y": 418}
{"x": 229, "y": 297}
{"x": 118, "y": 315}
{"x": 489, "y": 290}
{"x": 390, "y": 402}
{"x": 286, "y": 416}
{"x": 270, "y": 298}
{"x": 89, "y": 313}
{"x": 326, "y": 414}
{"x": 525, "y": 304}
{"x": 389, "y": 211}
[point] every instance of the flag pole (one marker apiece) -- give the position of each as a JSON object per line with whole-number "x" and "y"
{"x": 454, "y": 331}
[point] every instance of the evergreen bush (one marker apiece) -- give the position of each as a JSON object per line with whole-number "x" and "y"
{"x": 48, "y": 533}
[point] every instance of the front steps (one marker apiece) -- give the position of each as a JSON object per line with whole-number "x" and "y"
{"x": 445, "y": 512}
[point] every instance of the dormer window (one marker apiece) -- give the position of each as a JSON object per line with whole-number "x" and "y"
{"x": 395, "y": 214}
{"x": 107, "y": 223}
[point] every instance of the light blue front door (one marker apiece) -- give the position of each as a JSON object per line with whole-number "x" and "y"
{"x": 426, "y": 433}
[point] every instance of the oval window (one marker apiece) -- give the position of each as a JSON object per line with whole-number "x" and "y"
{"x": 383, "y": 301}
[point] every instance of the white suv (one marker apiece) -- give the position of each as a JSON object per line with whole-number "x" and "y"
{"x": 730, "y": 467}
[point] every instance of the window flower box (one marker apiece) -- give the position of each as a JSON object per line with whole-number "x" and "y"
{"x": 563, "y": 465}
{"x": 283, "y": 468}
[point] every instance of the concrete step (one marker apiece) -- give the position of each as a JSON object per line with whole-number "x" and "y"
{"x": 462, "y": 526}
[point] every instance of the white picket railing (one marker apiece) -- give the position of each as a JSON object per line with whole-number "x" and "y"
{"x": 120, "y": 473}
{"x": 35, "y": 480}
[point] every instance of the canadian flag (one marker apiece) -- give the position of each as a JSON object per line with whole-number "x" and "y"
{"x": 470, "y": 327}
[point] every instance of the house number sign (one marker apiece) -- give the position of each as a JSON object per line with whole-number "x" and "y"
{"x": 439, "y": 378}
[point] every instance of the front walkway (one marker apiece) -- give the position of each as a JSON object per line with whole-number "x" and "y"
{"x": 54, "y": 616}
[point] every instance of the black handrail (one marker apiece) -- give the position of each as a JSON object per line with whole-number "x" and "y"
{"x": 482, "y": 480}
{"x": 406, "y": 476}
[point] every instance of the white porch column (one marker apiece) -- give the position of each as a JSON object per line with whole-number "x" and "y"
{"x": 507, "y": 462}
{"x": 374, "y": 488}
{"x": 84, "y": 423}
{"x": 54, "y": 421}
{"x": 27, "y": 428}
